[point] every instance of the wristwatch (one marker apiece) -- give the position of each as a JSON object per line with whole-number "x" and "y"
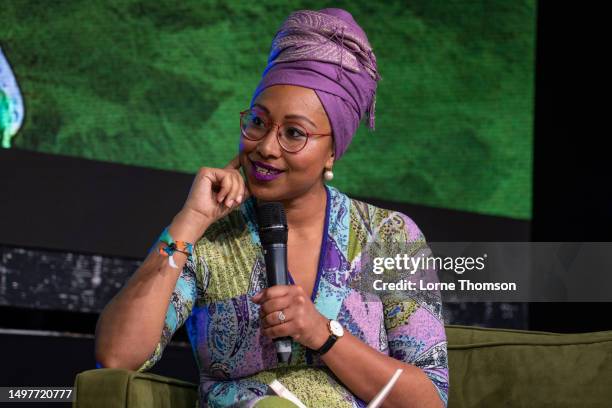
{"x": 335, "y": 332}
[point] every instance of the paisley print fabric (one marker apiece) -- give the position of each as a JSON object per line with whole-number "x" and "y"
{"x": 236, "y": 362}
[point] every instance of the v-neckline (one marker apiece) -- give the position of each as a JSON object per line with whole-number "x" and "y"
{"x": 322, "y": 250}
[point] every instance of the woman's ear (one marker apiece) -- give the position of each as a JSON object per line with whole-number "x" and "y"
{"x": 329, "y": 163}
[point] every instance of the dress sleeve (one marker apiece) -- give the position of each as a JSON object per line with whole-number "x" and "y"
{"x": 181, "y": 303}
{"x": 413, "y": 320}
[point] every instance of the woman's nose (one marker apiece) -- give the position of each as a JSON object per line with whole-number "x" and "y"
{"x": 269, "y": 146}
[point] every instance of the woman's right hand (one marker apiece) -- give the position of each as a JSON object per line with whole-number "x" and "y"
{"x": 216, "y": 192}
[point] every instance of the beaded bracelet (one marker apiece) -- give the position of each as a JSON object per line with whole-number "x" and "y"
{"x": 173, "y": 246}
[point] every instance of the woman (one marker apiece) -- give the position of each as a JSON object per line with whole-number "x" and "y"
{"x": 320, "y": 81}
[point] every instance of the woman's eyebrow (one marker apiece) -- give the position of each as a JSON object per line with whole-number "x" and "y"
{"x": 291, "y": 116}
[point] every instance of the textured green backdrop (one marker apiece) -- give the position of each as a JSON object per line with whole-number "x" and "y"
{"x": 160, "y": 84}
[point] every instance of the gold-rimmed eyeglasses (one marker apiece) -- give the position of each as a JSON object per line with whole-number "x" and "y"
{"x": 291, "y": 136}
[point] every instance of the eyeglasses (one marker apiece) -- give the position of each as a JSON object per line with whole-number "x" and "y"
{"x": 292, "y": 137}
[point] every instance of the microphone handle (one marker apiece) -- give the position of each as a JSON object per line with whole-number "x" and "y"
{"x": 275, "y": 256}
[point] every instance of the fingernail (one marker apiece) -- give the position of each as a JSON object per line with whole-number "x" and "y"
{"x": 239, "y": 199}
{"x": 229, "y": 203}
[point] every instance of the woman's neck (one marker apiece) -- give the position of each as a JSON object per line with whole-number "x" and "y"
{"x": 306, "y": 212}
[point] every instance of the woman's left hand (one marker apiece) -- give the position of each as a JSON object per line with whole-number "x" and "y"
{"x": 303, "y": 322}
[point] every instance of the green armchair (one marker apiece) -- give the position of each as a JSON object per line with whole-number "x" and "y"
{"x": 488, "y": 367}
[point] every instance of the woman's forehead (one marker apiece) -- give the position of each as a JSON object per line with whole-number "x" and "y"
{"x": 290, "y": 99}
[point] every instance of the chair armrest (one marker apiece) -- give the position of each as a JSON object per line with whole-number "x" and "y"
{"x": 112, "y": 387}
{"x": 519, "y": 368}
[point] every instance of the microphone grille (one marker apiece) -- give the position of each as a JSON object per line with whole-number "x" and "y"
{"x": 272, "y": 223}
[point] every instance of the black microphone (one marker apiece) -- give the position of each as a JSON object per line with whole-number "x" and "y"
{"x": 273, "y": 235}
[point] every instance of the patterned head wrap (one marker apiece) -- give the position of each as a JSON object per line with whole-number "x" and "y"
{"x": 326, "y": 51}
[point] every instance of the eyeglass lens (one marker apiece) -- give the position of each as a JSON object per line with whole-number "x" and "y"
{"x": 255, "y": 126}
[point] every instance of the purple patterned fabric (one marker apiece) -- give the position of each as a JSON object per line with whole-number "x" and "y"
{"x": 327, "y": 51}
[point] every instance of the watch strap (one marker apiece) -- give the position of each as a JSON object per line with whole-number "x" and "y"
{"x": 327, "y": 345}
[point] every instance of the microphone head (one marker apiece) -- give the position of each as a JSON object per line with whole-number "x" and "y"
{"x": 272, "y": 223}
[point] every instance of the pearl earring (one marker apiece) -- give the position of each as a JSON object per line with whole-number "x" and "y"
{"x": 328, "y": 175}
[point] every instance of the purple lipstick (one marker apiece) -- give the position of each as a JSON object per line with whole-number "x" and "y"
{"x": 264, "y": 172}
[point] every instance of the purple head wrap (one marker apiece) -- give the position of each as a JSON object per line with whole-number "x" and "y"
{"x": 326, "y": 51}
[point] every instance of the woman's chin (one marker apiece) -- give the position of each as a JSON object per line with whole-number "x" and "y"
{"x": 264, "y": 194}
{"x": 268, "y": 192}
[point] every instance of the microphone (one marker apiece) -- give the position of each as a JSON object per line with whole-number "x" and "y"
{"x": 273, "y": 235}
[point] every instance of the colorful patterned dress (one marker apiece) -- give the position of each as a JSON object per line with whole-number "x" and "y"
{"x": 235, "y": 361}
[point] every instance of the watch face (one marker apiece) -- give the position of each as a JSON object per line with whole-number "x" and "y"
{"x": 336, "y": 328}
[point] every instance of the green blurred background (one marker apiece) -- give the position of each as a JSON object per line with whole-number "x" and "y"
{"x": 160, "y": 84}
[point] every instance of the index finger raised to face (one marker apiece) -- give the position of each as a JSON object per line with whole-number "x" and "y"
{"x": 234, "y": 163}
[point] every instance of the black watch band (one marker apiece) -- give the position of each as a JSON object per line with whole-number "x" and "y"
{"x": 327, "y": 345}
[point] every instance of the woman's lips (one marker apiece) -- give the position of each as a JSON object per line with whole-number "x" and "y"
{"x": 264, "y": 172}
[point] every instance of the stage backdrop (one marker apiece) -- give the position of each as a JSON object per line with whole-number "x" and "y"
{"x": 160, "y": 84}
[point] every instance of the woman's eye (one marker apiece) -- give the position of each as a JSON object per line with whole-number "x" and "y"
{"x": 257, "y": 121}
{"x": 295, "y": 133}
